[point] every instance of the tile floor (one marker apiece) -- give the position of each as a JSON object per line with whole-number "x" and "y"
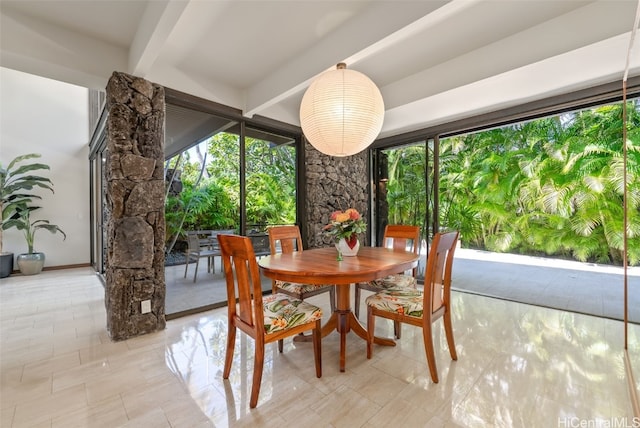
{"x": 518, "y": 366}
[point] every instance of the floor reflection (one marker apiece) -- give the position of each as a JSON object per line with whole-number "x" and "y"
{"x": 519, "y": 366}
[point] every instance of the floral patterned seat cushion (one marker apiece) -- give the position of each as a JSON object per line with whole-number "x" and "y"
{"x": 294, "y": 287}
{"x": 406, "y": 301}
{"x": 282, "y": 312}
{"x": 394, "y": 281}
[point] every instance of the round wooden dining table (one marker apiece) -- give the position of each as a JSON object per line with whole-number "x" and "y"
{"x": 321, "y": 266}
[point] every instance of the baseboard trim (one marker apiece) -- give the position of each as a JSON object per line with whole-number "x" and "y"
{"x": 60, "y": 267}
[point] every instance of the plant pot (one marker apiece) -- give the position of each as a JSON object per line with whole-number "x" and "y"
{"x": 6, "y": 264}
{"x": 30, "y": 264}
{"x": 346, "y": 250}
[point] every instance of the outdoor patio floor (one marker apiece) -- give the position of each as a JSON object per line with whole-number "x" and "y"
{"x": 209, "y": 291}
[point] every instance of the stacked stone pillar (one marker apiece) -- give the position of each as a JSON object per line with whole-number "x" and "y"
{"x": 332, "y": 184}
{"x": 135, "y": 201}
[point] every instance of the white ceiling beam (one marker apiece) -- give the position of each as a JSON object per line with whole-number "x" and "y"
{"x": 347, "y": 42}
{"x": 589, "y": 66}
{"x": 200, "y": 86}
{"x": 566, "y": 33}
{"x": 40, "y": 48}
{"x": 158, "y": 22}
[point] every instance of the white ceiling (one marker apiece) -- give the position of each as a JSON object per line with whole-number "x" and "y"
{"x": 434, "y": 61}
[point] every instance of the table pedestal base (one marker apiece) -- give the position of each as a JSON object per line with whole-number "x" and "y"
{"x": 344, "y": 321}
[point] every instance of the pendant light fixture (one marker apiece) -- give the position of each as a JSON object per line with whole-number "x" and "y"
{"x": 341, "y": 112}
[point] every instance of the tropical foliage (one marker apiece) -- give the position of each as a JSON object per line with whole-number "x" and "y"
{"x": 210, "y": 198}
{"x": 551, "y": 186}
{"x": 406, "y": 188}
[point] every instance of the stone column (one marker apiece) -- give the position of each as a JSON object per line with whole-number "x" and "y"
{"x": 135, "y": 199}
{"x": 333, "y": 183}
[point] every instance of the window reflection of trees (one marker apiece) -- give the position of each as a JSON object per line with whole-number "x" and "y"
{"x": 196, "y": 356}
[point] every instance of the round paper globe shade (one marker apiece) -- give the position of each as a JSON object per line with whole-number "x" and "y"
{"x": 341, "y": 112}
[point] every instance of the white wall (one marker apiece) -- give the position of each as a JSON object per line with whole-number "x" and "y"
{"x": 39, "y": 115}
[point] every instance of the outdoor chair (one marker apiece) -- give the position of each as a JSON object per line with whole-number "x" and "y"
{"x": 195, "y": 250}
{"x": 398, "y": 237}
{"x": 288, "y": 239}
{"x": 421, "y": 308}
{"x": 265, "y": 319}
{"x": 212, "y": 240}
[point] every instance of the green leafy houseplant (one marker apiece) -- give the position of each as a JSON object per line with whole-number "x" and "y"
{"x": 16, "y": 181}
{"x": 29, "y": 228}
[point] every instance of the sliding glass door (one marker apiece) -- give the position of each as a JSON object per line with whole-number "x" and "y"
{"x": 222, "y": 175}
{"x": 270, "y": 184}
{"x": 404, "y": 190}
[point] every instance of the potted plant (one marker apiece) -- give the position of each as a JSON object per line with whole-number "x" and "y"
{"x": 32, "y": 262}
{"x": 16, "y": 180}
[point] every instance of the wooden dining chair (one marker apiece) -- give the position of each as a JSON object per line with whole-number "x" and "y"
{"x": 421, "y": 308}
{"x": 401, "y": 238}
{"x": 195, "y": 250}
{"x": 267, "y": 319}
{"x": 289, "y": 240}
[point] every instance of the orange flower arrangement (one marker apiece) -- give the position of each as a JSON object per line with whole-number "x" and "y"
{"x": 345, "y": 224}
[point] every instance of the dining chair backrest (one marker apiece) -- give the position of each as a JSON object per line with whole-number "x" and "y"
{"x": 437, "y": 277}
{"x": 287, "y": 236}
{"x": 402, "y": 237}
{"x": 287, "y": 240}
{"x": 241, "y": 271}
